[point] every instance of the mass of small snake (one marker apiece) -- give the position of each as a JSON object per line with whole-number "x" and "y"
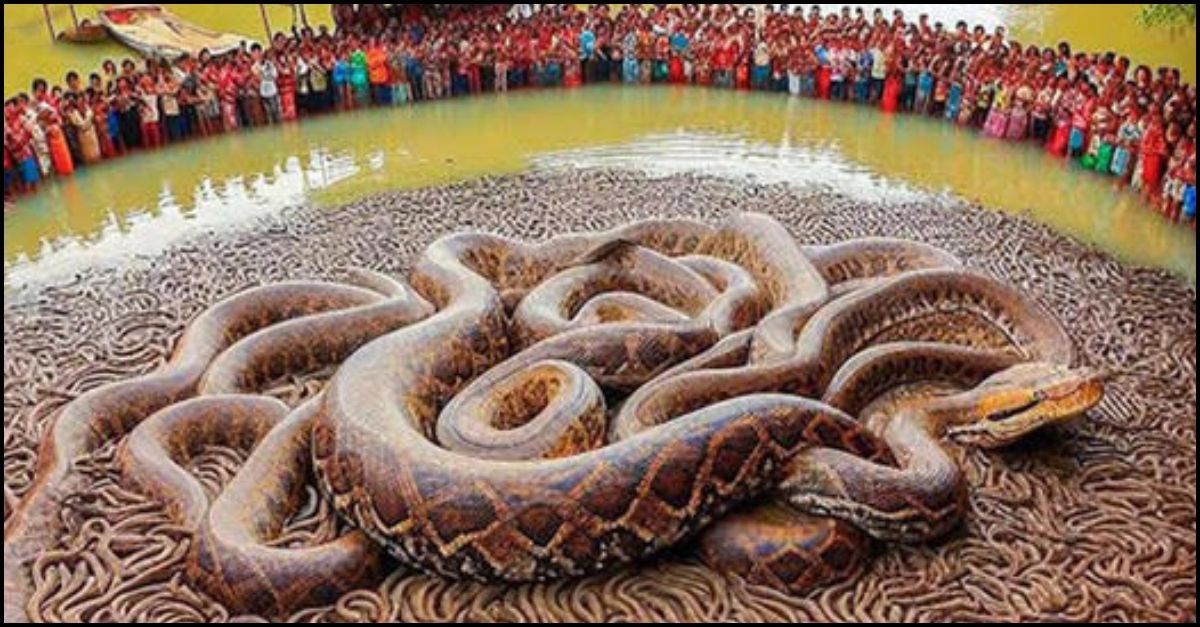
{"x": 542, "y": 412}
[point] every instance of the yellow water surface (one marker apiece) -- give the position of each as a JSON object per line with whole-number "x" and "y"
{"x": 138, "y": 204}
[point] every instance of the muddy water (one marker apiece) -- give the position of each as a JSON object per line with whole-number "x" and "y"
{"x": 137, "y": 205}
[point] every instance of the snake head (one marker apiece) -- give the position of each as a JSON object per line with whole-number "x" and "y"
{"x": 1022, "y": 399}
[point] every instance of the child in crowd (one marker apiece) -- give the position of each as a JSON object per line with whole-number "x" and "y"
{"x": 148, "y": 113}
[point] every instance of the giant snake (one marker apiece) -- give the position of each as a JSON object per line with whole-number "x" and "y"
{"x": 527, "y": 412}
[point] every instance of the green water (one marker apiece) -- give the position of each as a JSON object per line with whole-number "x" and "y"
{"x": 139, "y": 204}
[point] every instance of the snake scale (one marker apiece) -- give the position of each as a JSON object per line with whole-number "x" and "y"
{"x": 520, "y": 412}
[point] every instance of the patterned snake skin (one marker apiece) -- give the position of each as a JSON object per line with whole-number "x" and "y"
{"x": 526, "y": 413}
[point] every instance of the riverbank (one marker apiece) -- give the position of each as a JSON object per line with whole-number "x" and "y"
{"x": 1096, "y": 521}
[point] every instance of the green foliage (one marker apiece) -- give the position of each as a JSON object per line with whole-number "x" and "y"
{"x": 1168, "y": 15}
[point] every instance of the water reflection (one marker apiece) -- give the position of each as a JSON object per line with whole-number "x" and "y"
{"x": 138, "y": 205}
{"x": 739, "y": 156}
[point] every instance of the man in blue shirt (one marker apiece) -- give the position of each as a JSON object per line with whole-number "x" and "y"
{"x": 587, "y": 53}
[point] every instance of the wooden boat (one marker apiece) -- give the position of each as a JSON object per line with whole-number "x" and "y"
{"x": 87, "y": 33}
{"x": 157, "y": 33}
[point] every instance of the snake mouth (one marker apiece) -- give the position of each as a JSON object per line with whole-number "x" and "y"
{"x": 1004, "y": 415}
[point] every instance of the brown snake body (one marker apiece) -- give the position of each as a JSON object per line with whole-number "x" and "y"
{"x": 524, "y": 413}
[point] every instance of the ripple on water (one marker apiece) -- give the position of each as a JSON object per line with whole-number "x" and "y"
{"x": 738, "y": 157}
{"x": 138, "y": 205}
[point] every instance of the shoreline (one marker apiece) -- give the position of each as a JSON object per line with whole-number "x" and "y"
{"x": 36, "y": 280}
{"x": 1118, "y": 486}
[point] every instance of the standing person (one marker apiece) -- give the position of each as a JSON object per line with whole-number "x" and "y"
{"x": 484, "y": 64}
{"x": 629, "y": 52}
{"x": 760, "y": 73}
{"x": 880, "y": 66}
{"x": 398, "y": 74}
{"x": 1171, "y": 200}
{"x": 571, "y": 68}
{"x": 724, "y": 59}
{"x": 1153, "y": 150}
{"x": 941, "y": 91}
{"x": 587, "y": 52}
{"x": 1040, "y": 114}
{"x": 208, "y": 109}
{"x": 266, "y": 74}
{"x": 68, "y": 99}
{"x": 10, "y": 174}
{"x": 433, "y": 75}
{"x": 188, "y": 76}
{"x": 925, "y": 83}
{"x": 1189, "y": 181}
{"x": 343, "y": 94}
{"x": 893, "y": 84}
{"x": 954, "y": 98}
{"x": 839, "y": 63}
{"x": 1018, "y": 115}
{"x": 360, "y": 85}
{"x": 824, "y": 70}
{"x": 377, "y": 72}
{"x": 795, "y": 69}
{"x": 81, "y": 117}
{"x": 742, "y": 58}
{"x": 908, "y": 92}
{"x": 129, "y": 124}
{"x": 984, "y": 97}
{"x": 661, "y": 70}
{"x": 288, "y": 110}
{"x": 172, "y": 114}
{"x": 862, "y": 63}
{"x": 1081, "y": 118}
{"x": 678, "y": 72}
{"x": 1060, "y": 136}
{"x": 645, "y": 54}
{"x": 106, "y": 131}
{"x": 321, "y": 78}
{"x": 1129, "y": 136}
{"x": 503, "y": 67}
{"x": 460, "y": 83}
{"x": 997, "y": 119}
{"x": 227, "y": 89}
{"x": 20, "y": 143}
{"x": 250, "y": 92}
{"x": 56, "y": 141}
{"x": 416, "y": 74}
{"x": 148, "y": 112}
{"x": 306, "y": 100}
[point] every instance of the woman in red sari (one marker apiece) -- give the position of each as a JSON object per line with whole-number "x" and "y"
{"x": 1154, "y": 153}
{"x": 675, "y": 74}
{"x": 741, "y": 65}
{"x": 287, "y": 87}
{"x": 572, "y": 70}
{"x": 892, "y": 85}
{"x": 824, "y": 73}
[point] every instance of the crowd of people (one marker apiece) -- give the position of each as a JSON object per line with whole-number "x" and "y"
{"x": 1133, "y": 123}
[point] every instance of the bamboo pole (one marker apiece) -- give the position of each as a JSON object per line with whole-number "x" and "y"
{"x": 262, "y": 9}
{"x": 74, "y": 17}
{"x": 49, "y": 21}
{"x": 303, "y": 15}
